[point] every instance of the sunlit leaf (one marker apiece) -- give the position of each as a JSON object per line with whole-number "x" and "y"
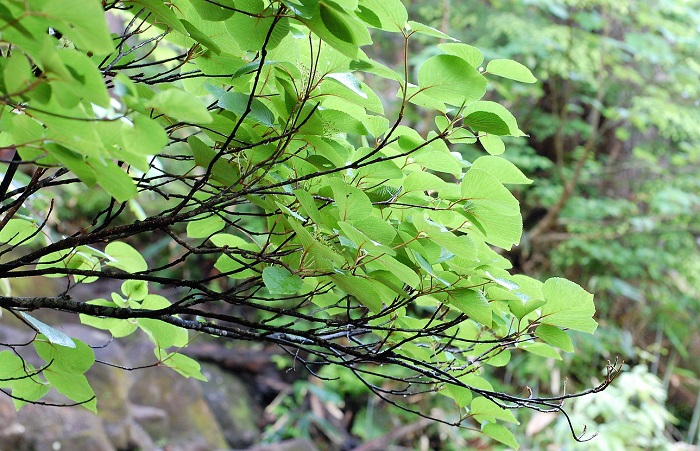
{"x": 125, "y": 257}
{"x": 500, "y": 433}
{"x": 473, "y": 303}
{"x": 184, "y": 365}
{"x": 510, "y": 69}
{"x": 568, "y": 305}
{"x": 180, "y": 105}
{"x": 452, "y": 80}
{"x": 555, "y": 337}
{"x": 502, "y": 169}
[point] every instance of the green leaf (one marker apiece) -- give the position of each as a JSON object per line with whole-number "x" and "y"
{"x": 162, "y": 334}
{"x": 423, "y": 181}
{"x": 376, "y": 228}
{"x": 499, "y": 359}
{"x": 347, "y": 94}
{"x": 17, "y": 73}
{"x": 161, "y": 13}
{"x": 135, "y": 289}
{"x": 350, "y": 81}
{"x": 125, "y": 257}
{"x": 204, "y": 228}
{"x": 462, "y": 245}
{"x": 368, "y": 17}
{"x": 522, "y": 307}
{"x": 75, "y": 360}
{"x": 555, "y": 337}
{"x": 375, "y": 67}
{"x": 437, "y": 160}
{"x": 308, "y": 205}
{"x": 115, "y": 180}
{"x": 541, "y": 349}
{"x": 505, "y": 283}
{"x": 117, "y": 327}
{"x": 361, "y": 288}
{"x": 568, "y": 305}
{"x": 29, "y": 388}
{"x": 493, "y": 206}
{"x": 417, "y": 27}
{"x": 232, "y": 241}
{"x": 500, "y": 433}
{"x": 227, "y": 264}
{"x": 473, "y": 303}
{"x": 54, "y": 336}
{"x": 403, "y": 272}
{"x": 450, "y": 79}
{"x": 222, "y": 171}
{"x": 200, "y": 37}
{"x": 303, "y": 8}
{"x": 483, "y": 121}
{"x": 492, "y": 144}
{"x": 353, "y": 32}
{"x": 86, "y": 82}
{"x": 23, "y": 130}
{"x": 237, "y": 102}
{"x": 502, "y": 169}
{"x": 180, "y": 105}
{"x": 484, "y": 409}
{"x": 335, "y": 122}
{"x": 18, "y": 231}
{"x": 184, "y": 365}
{"x": 250, "y": 32}
{"x": 336, "y": 24}
{"x": 279, "y": 280}
{"x": 470, "y": 54}
{"x": 428, "y": 268}
{"x": 155, "y": 302}
{"x": 527, "y": 298}
{"x": 213, "y": 11}
{"x": 495, "y": 109}
{"x": 84, "y": 261}
{"x": 84, "y": 22}
{"x": 352, "y": 203}
{"x": 73, "y": 386}
{"x": 462, "y": 395}
{"x": 472, "y": 380}
{"x": 141, "y": 138}
{"x": 510, "y": 69}
{"x": 390, "y": 14}
{"x": 74, "y": 162}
